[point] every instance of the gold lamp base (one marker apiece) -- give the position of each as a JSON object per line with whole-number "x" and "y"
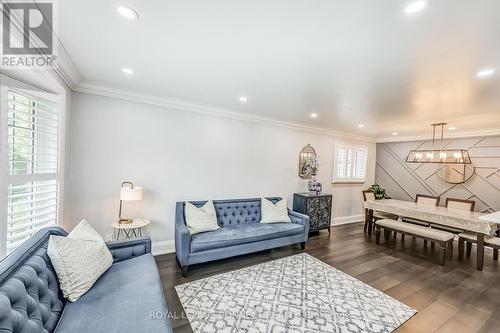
{"x": 125, "y": 221}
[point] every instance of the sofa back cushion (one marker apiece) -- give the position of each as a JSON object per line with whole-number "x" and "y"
{"x": 30, "y": 298}
{"x": 237, "y": 211}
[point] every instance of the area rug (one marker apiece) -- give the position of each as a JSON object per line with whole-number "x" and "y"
{"x": 295, "y": 294}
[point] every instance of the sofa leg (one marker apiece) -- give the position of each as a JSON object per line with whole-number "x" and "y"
{"x": 184, "y": 270}
{"x": 303, "y": 245}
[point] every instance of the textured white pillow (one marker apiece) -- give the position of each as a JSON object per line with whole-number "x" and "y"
{"x": 200, "y": 219}
{"x": 79, "y": 259}
{"x": 274, "y": 213}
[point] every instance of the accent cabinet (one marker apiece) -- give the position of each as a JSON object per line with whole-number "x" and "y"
{"x": 317, "y": 206}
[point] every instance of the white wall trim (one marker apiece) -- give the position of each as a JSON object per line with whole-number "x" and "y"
{"x": 454, "y": 135}
{"x": 98, "y": 89}
{"x": 347, "y": 219}
{"x": 163, "y": 247}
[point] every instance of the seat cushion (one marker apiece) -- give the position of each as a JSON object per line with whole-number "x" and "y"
{"x": 382, "y": 215}
{"x": 438, "y": 235}
{"x": 488, "y": 240}
{"x": 242, "y": 233}
{"x": 446, "y": 228}
{"x": 415, "y": 221}
{"x": 126, "y": 298}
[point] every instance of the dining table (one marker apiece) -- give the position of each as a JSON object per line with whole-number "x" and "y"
{"x": 455, "y": 218}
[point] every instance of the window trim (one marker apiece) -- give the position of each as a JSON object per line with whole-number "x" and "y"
{"x": 341, "y": 145}
{"x": 7, "y": 83}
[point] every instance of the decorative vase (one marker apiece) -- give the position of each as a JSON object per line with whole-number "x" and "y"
{"x": 314, "y": 186}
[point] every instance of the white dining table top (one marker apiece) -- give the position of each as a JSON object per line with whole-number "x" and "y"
{"x": 461, "y": 219}
{"x": 493, "y": 217}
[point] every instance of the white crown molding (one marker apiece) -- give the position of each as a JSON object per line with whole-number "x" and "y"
{"x": 113, "y": 92}
{"x": 66, "y": 69}
{"x": 454, "y": 135}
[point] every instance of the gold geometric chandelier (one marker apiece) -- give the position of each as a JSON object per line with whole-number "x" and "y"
{"x": 440, "y": 156}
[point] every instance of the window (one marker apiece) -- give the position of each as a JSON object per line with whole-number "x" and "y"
{"x": 30, "y": 149}
{"x": 349, "y": 163}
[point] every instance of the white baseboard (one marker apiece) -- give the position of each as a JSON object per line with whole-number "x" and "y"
{"x": 348, "y": 219}
{"x": 163, "y": 247}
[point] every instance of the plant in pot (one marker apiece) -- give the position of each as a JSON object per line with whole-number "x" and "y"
{"x": 379, "y": 192}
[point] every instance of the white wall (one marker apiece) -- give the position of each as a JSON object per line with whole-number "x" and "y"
{"x": 179, "y": 155}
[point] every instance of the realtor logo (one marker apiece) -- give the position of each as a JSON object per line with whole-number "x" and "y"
{"x": 27, "y": 34}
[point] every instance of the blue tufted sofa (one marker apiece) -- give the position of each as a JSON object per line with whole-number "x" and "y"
{"x": 240, "y": 232}
{"x": 128, "y": 297}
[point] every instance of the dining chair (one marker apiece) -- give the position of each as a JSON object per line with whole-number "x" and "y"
{"x": 466, "y": 238}
{"x": 423, "y": 199}
{"x": 459, "y": 204}
{"x": 368, "y": 195}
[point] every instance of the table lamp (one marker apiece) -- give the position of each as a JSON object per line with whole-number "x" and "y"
{"x": 128, "y": 192}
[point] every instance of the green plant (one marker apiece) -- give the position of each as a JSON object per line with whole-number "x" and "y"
{"x": 379, "y": 192}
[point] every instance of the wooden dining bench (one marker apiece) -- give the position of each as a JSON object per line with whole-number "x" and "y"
{"x": 443, "y": 238}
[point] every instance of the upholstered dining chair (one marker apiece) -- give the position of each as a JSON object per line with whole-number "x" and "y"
{"x": 459, "y": 204}
{"x": 423, "y": 199}
{"x": 368, "y": 195}
{"x": 466, "y": 238}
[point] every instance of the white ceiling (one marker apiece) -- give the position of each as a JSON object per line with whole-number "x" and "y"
{"x": 350, "y": 61}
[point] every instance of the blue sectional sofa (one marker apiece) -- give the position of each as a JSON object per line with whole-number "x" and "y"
{"x": 240, "y": 232}
{"x": 128, "y": 297}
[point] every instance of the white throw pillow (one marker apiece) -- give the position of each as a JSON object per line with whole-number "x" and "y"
{"x": 79, "y": 259}
{"x": 200, "y": 219}
{"x": 274, "y": 213}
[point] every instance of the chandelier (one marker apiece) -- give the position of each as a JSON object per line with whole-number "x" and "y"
{"x": 446, "y": 156}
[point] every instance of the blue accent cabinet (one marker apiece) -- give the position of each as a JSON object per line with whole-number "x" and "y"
{"x": 317, "y": 206}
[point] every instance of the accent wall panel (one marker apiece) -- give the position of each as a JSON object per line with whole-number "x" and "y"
{"x": 405, "y": 180}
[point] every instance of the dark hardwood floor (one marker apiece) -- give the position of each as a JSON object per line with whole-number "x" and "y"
{"x": 454, "y": 298}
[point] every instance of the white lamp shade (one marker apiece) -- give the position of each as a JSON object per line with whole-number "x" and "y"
{"x": 130, "y": 194}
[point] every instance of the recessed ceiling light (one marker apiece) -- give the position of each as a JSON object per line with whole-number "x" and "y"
{"x": 485, "y": 72}
{"x": 127, "y": 12}
{"x": 452, "y": 128}
{"x": 415, "y": 6}
{"x": 243, "y": 99}
{"x": 395, "y": 133}
{"x": 127, "y": 71}
{"x": 361, "y": 125}
{"x": 313, "y": 115}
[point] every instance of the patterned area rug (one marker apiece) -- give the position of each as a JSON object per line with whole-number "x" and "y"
{"x": 295, "y": 294}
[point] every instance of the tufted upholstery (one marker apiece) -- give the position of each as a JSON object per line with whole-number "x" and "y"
{"x": 239, "y": 211}
{"x": 240, "y": 232}
{"x": 126, "y": 250}
{"x": 30, "y": 299}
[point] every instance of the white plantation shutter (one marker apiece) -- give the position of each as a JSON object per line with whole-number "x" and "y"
{"x": 350, "y": 163}
{"x": 32, "y": 166}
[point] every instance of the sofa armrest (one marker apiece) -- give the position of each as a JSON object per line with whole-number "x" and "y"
{"x": 129, "y": 248}
{"x": 182, "y": 235}
{"x": 300, "y": 219}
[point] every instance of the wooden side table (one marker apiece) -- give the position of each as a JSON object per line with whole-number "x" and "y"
{"x": 129, "y": 230}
